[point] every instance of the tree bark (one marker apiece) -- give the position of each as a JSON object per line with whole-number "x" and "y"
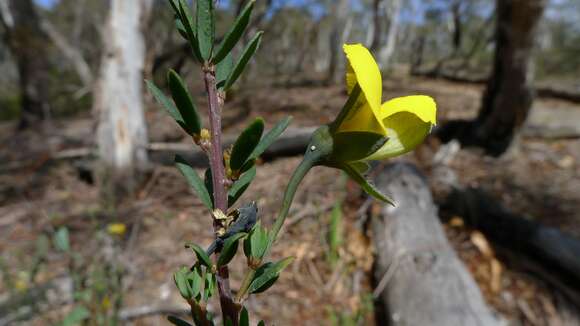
{"x": 28, "y": 44}
{"x": 388, "y": 49}
{"x": 420, "y": 279}
{"x": 509, "y": 93}
{"x": 121, "y": 131}
{"x": 339, "y": 12}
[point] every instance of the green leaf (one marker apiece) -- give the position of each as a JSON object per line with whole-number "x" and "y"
{"x": 223, "y": 70}
{"x": 243, "y": 60}
{"x": 229, "y": 250}
{"x": 187, "y": 20}
{"x": 365, "y": 184}
{"x": 194, "y": 181}
{"x": 235, "y": 33}
{"x": 210, "y": 286}
{"x": 182, "y": 284}
{"x": 246, "y": 144}
{"x": 208, "y": 182}
{"x": 244, "y": 317}
{"x": 267, "y": 274}
{"x": 355, "y": 145}
{"x": 178, "y": 321}
{"x": 261, "y": 323}
{"x": 184, "y": 103}
{"x": 240, "y": 186}
{"x": 202, "y": 257}
{"x": 205, "y": 27}
{"x": 181, "y": 29}
{"x": 195, "y": 281}
{"x": 75, "y": 317}
{"x": 256, "y": 243}
{"x": 166, "y": 103}
{"x": 270, "y": 137}
{"x": 175, "y": 6}
{"x": 61, "y": 239}
{"x": 228, "y": 322}
{"x": 361, "y": 167}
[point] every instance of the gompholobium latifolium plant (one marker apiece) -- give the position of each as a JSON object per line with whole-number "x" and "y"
{"x": 364, "y": 130}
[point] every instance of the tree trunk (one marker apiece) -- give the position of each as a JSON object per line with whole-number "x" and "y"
{"x": 339, "y": 12}
{"x": 392, "y": 16}
{"x": 509, "y": 93}
{"x": 420, "y": 279}
{"x": 121, "y": 131}
{"x": 28, "y": 44}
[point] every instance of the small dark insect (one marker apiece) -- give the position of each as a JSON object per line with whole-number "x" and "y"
{"x": 245, "y": 218}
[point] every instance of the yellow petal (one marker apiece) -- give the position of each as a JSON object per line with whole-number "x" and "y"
{"x": 363, "y": 69}
{"x": 407, "y": 120}
{"x": 116, "y": 228}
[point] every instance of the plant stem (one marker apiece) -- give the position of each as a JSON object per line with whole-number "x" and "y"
{"x": 307, "y": 163}
{"x": 229, "y": 308}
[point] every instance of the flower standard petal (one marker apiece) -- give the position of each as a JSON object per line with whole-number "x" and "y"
{"x": 363, "y": 69}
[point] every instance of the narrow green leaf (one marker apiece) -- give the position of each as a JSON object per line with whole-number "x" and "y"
{"x": 240, "y": 186}
{"x": 259, "y": 243}
{"x": 270, "y": 137}
{"x": 244, "y": 317}
{"x": 368, "y": 187}
{"x": 267, "y": 274}
{"x": 205, "y": 27}
{"x": 261, "y": 323}
{"x": 235, "y": 33}
{"x": 208, "y": 182}
{"x": 177, "y": 321}
{"x": 246, "y": 144}
{"x": 229, "y": 250}
{"x": 195, "y": 281}
{"x": 180, "y": 278}
{"x": 355, "y": 145}
{"x": 61, "y": 239}
{"x": 175, "y": 6}
{"x": 202, "y": 257}
{"x": 187, "y": 20}
{"x": 247, "y": 240}
{"x": 210, "y": 286}
{"x": 228, "y": 322}
{"x": 166, "y": 103}
{"x": 361, "y": 167}
{"x": 243, "y": 60}
{"x": 223, "y": 70}
{"x": 194, "y": 181}
{"x": 184, "y": 103}
{"x": 75, "y": 317}
{"x": 181, "y": 29}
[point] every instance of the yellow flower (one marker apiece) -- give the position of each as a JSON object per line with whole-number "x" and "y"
{"x": 116, "y": 228}
{"x": 403, "y": 122}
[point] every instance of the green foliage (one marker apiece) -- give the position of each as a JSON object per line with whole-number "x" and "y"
{"x": 267, "y": 274}
{"x": 184, "y": 103}
{"x": 177, "y": 321}
{"x": 243, "y": 60}
{"x": 194, "y": 181}
{"x": 205, "y": 27}
{"x": 75, "y": 317}
{"x": 246, "y": 144}
{"x": 256, "y": 243}
{"x": 239, "y": 186}
{"x": 235, "y": 33}
{"x": 270, "y": 137}
{"x": 61, "y": 239}
{"x": 367, "y": 186}
{"x": 229, "y": 249}
{"x": 202, "y": 257}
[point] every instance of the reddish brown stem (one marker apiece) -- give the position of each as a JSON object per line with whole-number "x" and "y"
{"x": 229, "y": 308}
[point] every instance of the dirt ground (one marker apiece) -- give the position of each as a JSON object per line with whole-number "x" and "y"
{"x": 540, "y": 178}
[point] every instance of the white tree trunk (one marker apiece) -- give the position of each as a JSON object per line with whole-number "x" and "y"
{"x": 121, "y": 132}
{"x": 385, "y": 54}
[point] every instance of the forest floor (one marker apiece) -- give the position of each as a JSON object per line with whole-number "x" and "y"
{"x": 540, "y": 179}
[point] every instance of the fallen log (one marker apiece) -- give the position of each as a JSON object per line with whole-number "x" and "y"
{"x": 420, "y": 279}
{"x": 292, "y": 142}
{"x": 547, "y": 252}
